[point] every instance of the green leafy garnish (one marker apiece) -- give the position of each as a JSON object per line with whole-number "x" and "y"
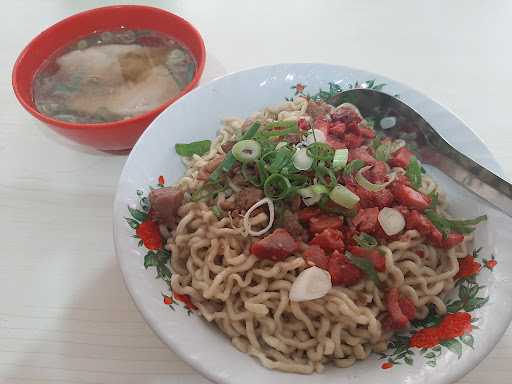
{"x": 353, "y": 166}
{"x": 194, "y": 148}
{"x": 365, "y": 265}
{"x": 383, "y": 152}
{"x": 365, "y": 240}
{"x": 446, "y": 226}
{"x": 376, "y": 141}
{"x": 280, "y": 128}
{"x": 413, "y": 173}
{"x": 277, "y": 187}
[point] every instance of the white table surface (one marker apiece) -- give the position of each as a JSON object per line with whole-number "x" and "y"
{"x": 65, "y": 315}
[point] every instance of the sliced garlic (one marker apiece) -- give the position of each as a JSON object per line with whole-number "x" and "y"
{"x": 312, "y": 283}
{"x": 391, "y": 221}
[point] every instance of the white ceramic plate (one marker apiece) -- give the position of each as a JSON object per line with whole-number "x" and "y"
{"x": 197, "y": 116}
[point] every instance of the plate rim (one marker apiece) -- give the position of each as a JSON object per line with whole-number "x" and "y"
{"x": 164, "y": 336}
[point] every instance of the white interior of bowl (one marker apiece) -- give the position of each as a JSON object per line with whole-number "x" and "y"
{"x": 197, "y": 116}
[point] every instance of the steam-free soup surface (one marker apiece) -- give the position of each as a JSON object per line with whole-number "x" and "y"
{"x": 111, "y": 76}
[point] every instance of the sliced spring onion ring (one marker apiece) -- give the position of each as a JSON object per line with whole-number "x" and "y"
{"x": 321, "y": 172}
{"x": 246, "y": 151}
{"x": 391, "y": 221}
{"x": 340, "y": 159}
{"x": 271, "y": 211}
{"x": 281, "y": 144}
{"x": 314, "y": 136}
{"x": 369, "y": 186}
{"x": 343, "y": 196}
{"x": 312, "y": 194}
{"x": 277, "y": 187}
{"x": 320, "y": 151}
{"x": 301, "y": 160}
{"x": 383, "y": 152}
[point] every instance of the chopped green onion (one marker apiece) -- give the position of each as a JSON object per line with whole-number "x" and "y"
{"x": 340, "y": 159}
{"x": 383, "y": 152}
{"x": 314, "y": 136}
{"x": 283, "y": 128}
{"x": 251, "y": 132}
{"x": 320, "y": 151}
{"x": 327, "y": 206}
{"x": 282, "y": 157}
{"x": 281, "y": 144}
{"x": 217, "y": 211}
{"x": 298, "y": 180}
{"x": 301, "y": 160}
{"x": 246, "y": 151}
{"x": 230, "y": 160}
{"x": 365, "y": 240}
{"x": 322, "y": 172}
{"x": 353, "y": 166}
{"x": 312, "y": 194}
{"x": 195, "y": 148}
{"x": 413, "y": 173}
{"x": 446, "y": 226}
{"x": 376, "y": 141}
{"x": 205, "y": 192}
{"x": 252, "y": 174}
{"x": 369, "y": 186}
{"x": 277, "y": 187}
{"x": 344, "y": 196}
{"x": 365, "y": 265}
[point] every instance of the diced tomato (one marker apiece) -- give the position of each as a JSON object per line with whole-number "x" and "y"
{"x": 366, "y": 132}
{"x": 335, "y": 142}
{"x": 342, "y": 271}
{"x": 407, "y": 307}
{"x": 417, "y": 221}
{"x": 276, "y": 246}
{"x": 402, "y": 209}
{"x": 329, "y": 240}
{"x": 407, "y": 196}
{"x": 353, "y": 141}
{"x": 395, "y": 312}
{"x": 366, "y": 219}
{"x": 378, "y": 260}
{"x": 306, "y": 214}
{"x": 401, "y": 158}
{"x": 303, "y": 124}
{"x": 337, "y": 129}
{"x": 365, "y": 196}
{"x": 319, "y": 223}
{"x": 346, "y": 115}
{"x": 322, "y": 124}
{"x": 361, "y": 153}
{"x": 383, "y": 198}
{"x": 348, "y": 233}
{"x": 378, "y": 173}
{"x": 314, "y": 255}
{"x": 437, "y": 239}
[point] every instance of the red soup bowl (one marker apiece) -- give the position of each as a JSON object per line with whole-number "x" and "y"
{"x": 117, "y": 135}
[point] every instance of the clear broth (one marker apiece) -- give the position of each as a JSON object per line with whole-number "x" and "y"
{"x": 112, "y": 75}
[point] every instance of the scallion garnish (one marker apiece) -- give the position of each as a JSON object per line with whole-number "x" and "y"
{"x": 413, "y": 173}
{"x": 344, "y": 196}
{"x": 365, "y": 240}
{"x": 383, "y": 152}
{"x": 217, "y": 211}
{"x": 340, "y": 159}
{"x": 353, "y": 166}
{"x": 320, "y": 151}
{"x": 277, "y": 187}
{"x": 246, "y": 151}
{"x": 194, "y": 148}
{"x": 365, "y": 265}
{"x": 325, "y": 176}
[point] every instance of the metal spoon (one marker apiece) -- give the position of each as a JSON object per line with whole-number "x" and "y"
{"x": 397, "y": 119}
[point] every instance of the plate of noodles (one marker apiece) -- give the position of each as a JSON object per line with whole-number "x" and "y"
{"x": 267, "y": 235}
